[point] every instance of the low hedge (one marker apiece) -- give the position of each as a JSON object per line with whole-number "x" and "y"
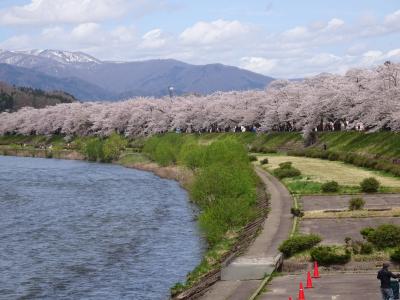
{"x": 330, "y": 255}
{"x": 299, "y": 243}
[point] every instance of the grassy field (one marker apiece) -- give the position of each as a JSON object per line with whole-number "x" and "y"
{"x": 319, "y": 171}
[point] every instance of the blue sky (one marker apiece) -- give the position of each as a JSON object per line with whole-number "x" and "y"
{"x": 279, "y": 38}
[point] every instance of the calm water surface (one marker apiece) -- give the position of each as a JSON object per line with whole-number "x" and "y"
{"x": 76, "y": 230}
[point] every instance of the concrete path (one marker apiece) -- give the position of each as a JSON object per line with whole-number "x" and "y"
{"x": 243, "y": 276}
{"x": 332, "y": 286}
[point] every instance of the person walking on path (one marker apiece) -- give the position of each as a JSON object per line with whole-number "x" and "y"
{"x": 384, "y": 275}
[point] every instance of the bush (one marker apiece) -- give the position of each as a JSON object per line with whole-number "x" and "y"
{"x": 366, "y": 248}
{"x": 285, "y": 165}
{"x": 286, "y": 172}
{"x": 359, "y": 247}
{"x": 384, "y": 236}
{"x": 297, "y": 212}
{"x": 366, "y": 232}
{"x": 333, "y": 156}
{"x": 395, "y": 255}
{"x": 298, "y": 244}
{"x": 330, "y": 187}
{"x": 113, "y": 146}
{"x": 369, "y": 185}
{"x": 252, "y": 158}
{"x": 356, "y": 203}
{"x": 93, "y": 149}
{"x": 330, "y": 255}
{"x": 264, "y": 161}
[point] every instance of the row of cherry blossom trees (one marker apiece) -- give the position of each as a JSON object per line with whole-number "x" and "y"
{"x": 362, "y": 99}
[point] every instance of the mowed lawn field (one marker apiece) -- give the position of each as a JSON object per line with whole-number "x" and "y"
{"x": 319, "y": 170}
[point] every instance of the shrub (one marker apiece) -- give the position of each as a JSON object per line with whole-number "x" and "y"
{"x": 366, "y": 248}
{"x": 356, "y": 203}
{"x": 93, "y": 149}
{"x": 298, "y": 244}
{"x": 359, "y": 247}
{"x": 286, "y": 172}
{"x": 384, "y": 236}
{"x": 264, "y": 161}
{"x": 395, "y": 255}
{"x": 252, "y": 158}
{"x": 330, "y": 187}
{"x": 366, "y": 232}
{"x": 285, "y": 165}
{"x": 333, "y": 156}
{"x": 369, "y": 185}
{"x": 297, "y": 212}
{"x": 113, "y": 146}
{"x": 330, "y": 255}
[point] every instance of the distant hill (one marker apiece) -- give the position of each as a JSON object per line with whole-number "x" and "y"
{"x": 13, "y": 98}
{"x": 81, "y": 89}
{"x": 89, "y": 78}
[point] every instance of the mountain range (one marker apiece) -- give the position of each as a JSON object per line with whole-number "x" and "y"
{"x": 88, "y": 78}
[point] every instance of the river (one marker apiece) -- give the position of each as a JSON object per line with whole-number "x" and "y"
{"x": 78, "y": 230}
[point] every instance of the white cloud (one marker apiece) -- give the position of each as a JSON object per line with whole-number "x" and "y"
{"x": 153, "y": 39}
{"x": 334, "y": 24}
{"x": 39, "y": 12}
{"x": 393, "y": 19}
{"x": 214, "y": 32}
{"x": 258, "y": 64}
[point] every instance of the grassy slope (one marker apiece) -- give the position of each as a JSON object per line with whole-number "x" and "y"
{"x": 382, "y": 143}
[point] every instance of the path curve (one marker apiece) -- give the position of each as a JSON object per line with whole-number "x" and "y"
{"x": 276, "y": 229}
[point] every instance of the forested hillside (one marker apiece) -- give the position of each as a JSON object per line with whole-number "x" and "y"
{"x": 13, "y": 98}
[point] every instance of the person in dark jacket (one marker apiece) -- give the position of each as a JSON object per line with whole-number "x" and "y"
{"x": 384, "y": 275}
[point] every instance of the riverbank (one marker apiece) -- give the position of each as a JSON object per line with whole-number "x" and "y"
{"x": 234, "y": 241}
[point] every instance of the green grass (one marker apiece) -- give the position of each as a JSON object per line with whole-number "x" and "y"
{"x": 380, "y": 143}
{"x": 320, "y": 171}
{"x": 224, "y": 187}
{"x": 128, "y": 159}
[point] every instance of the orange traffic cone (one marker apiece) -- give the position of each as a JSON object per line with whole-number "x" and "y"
{"x": 301, "y": 292}
{"x": 316, "y": 272}
{"x": 309, "y": 281}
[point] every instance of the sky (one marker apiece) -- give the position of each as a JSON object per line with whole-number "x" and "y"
{"x": 279, "y": 38}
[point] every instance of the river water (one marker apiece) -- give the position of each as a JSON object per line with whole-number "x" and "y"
{"x": 78, "y": 230}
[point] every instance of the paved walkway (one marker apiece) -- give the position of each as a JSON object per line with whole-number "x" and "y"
{"x": 242, "y": 277}
{"x": 333, "y": 286}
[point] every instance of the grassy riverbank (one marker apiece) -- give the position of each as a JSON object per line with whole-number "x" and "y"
{"x": 214, "y": 169}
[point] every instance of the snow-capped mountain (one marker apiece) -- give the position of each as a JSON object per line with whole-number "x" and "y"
{"x": 65, "y": 57}
{"x": 125, "y": 79}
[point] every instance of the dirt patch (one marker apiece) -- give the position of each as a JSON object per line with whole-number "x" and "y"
{"x": 340, "y": 202}
{"x": 334, "y": 231}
